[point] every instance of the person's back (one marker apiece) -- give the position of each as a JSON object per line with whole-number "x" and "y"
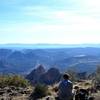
{"x": 65, "y": 89}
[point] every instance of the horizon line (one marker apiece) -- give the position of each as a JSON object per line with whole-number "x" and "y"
{"x": 49, "y": 44}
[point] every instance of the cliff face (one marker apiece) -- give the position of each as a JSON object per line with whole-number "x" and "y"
{"x": 51, "y": 76}
{"x": 35, "y": 74}
{"x": 39, "y": 75}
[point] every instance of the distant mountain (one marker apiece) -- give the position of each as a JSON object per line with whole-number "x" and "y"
{"x": 45, "y": 46}
{"x": 24, "y": 60}
{"x": 81, "y": 63}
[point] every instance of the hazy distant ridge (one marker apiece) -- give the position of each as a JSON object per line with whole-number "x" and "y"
{"x": 36, "y": 46}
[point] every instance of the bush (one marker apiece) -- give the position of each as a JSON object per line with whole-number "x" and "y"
{"x": 13, "y": 80}
{"x": 39, "y": 92}
{"x": 18, "y": 81}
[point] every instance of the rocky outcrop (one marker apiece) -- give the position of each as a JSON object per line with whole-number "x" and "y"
{"x": 35, "y": 74}
{"x": 51, "y": 76}
{"x": 39, "y": 75}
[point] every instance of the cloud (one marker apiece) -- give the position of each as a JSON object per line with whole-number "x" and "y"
{"x": 71, "y": 21}
{"x": 75, "y": 20}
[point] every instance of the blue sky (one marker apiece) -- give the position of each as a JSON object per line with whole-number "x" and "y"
{"x": 50, "y": 21}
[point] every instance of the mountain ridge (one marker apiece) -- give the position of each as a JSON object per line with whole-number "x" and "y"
{"x": 41, "y": 46}
{"x": 23, "y": 61}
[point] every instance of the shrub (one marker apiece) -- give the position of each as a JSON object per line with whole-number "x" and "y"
{"x": 13, "y": 80}
{"x": 39, "y": 92}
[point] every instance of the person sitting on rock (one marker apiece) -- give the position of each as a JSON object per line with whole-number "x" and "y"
{"x": 65, "y": 88}
{"x": 82, "y": 95}
{"x": 76, "y": 92}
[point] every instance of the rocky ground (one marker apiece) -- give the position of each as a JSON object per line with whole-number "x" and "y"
{"x": 84, "y": 84}
{"x": 18, "y": 93}
{"x": 15, "y": 93}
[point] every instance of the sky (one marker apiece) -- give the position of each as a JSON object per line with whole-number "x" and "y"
{"x": 50, "y": 21}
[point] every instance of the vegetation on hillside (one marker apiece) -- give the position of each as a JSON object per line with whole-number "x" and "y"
{"x": 13, "y": 80}
{"x": 39, "y": 92}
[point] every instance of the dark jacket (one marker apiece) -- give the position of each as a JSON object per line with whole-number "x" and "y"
{"x": 65, "y": 90}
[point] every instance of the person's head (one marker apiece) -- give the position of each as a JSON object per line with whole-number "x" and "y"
{"x": 66, "y": 76}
